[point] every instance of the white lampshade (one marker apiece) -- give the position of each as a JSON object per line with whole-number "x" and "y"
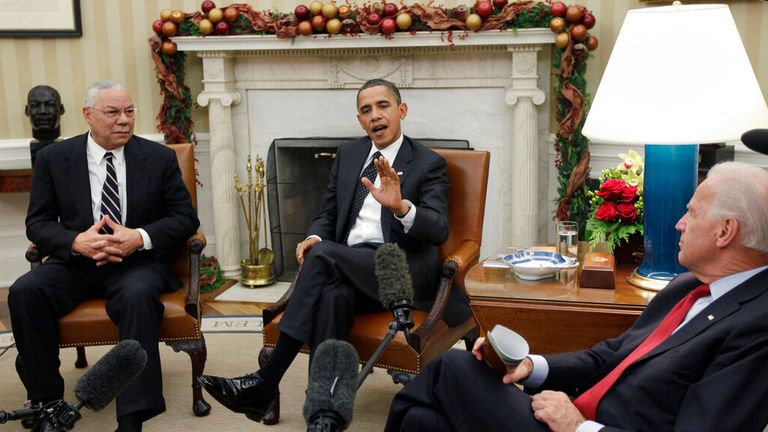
{"x": 677, "y": 75}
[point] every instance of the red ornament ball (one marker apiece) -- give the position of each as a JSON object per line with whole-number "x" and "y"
{"x": 207, "y": 6}
{"x": 588, "y": 20}
{"x": 390, "y": 9}
{"x": 374, "y": 19}
{"x": 578, "y": 32}
{"x": 558, "y": 9}
{"x": 591, "y": 43}
{"x": 157, "y": 26}
{"x": 231, "y": 14}
{"x": 305, "y": 28}
{"x": 301, "y": 12}
{"x": 484, "y": 9}
{"x": 574, "y": 14}
{"x": 388, "y": 26}
{"x": 222, "y": 28}
{"x": 500, "y": 3}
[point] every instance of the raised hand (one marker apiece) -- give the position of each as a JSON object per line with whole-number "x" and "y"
{"x": 513, "y": 374}
{"x": 388, "y": 192}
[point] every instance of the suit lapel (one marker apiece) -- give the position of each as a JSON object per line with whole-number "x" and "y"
{"x": 349, "y": 177}
{"x": 137, "y": 179}
{"x": 716, "y": 311}
{"x": 402, "y": 164}
{"x": 76, "y": 168}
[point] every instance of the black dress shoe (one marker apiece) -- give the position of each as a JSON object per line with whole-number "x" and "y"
{"x": 247, "y": 394}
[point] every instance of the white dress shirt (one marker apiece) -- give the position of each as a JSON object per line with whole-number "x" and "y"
{"x": 97, "y": 173}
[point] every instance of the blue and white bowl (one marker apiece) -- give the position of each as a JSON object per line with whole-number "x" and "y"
{"x": 534, "y": 265}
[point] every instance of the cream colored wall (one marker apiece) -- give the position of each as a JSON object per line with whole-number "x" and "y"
{"x": 114, "y": 46}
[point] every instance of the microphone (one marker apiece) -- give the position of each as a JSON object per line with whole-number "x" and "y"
{"x": 756, "y": 139}
{"x": 110, "y": 375}
{"x": 95, "y": 389}
{"x": 395, "y": 285}
{"x": 332, "y": 387}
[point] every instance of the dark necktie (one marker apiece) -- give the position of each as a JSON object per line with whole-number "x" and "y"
{"x": 588, "y": 401}
{"x": 361, "y": 192}
{"x": 110, "y": 193}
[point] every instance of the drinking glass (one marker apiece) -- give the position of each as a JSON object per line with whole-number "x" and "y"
{"x": 567, "y": 238}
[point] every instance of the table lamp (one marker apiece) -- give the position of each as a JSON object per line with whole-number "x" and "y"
{"x": 678, "y": 77}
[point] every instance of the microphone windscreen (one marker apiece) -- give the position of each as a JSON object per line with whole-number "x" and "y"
{"x": 111, "y": 374}
{"x": 332, "y": 381}
{"x": 393, "y": 275}
{"x": 756, "y": 139}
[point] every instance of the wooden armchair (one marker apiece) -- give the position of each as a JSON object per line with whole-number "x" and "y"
{"x": 468, "y": 173}
{"x": 89, "y": 324}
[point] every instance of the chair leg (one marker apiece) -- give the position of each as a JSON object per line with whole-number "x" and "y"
{"x": 471, "y": 337}
{"x": 273, "y": 415}
{"x": 198, "y": 353}
{"x": 81, "y": 361}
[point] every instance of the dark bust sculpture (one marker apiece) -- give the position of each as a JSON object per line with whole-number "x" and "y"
{"x": 44, "y": 109}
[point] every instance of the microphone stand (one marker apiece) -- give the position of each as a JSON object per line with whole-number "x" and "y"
{"x": 401, "y": 322}
{"x": 55, "y": 416}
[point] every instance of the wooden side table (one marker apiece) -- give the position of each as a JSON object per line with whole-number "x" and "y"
{"x": 19, "y": 180}
{"x": 554, "y": 315}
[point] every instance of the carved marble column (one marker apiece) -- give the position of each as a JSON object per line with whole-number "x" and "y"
{"x": 520, "y": 156}
{"x": 219, "y": 95}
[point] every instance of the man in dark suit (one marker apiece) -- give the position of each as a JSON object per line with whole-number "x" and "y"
{"x": 106, "y": 206}
{"x": 695, "y": 360}
{"x": 401, "y": 191}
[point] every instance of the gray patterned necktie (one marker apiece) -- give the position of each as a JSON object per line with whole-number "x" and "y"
{"x": 110, "y": 193}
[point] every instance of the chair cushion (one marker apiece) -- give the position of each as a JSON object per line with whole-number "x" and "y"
{"x": 88, "y": 324}
{"x": 369, "y": 329}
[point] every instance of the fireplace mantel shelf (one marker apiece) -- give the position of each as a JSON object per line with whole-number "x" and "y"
{"x": 399, "y": 40}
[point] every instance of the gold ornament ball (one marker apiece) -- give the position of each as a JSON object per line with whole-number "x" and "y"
{"x": 345, "y": 11}
{"x": 305, "y": 28}
{"x": 473, "y": 21}
{"x": 333, "y": 26}
{"x": 404, "y": 21}
{"x": 592, "y": 43}
{"x": 330, "y": 10}
{"x": 562, "y": 39}
{"x": 579, "y": 32}
{"x": 556, "y": 24}
{"x": 205, "y": 26}
{"x": 231, "y": 14}
{"x": 177, "y": 16}
{"x": 315, "y": 8}
{"x": 168, "y": 48}
{"x": 165, "y": 14}
{"x": 574, "y": 13}
{"x": 318, "y": 23}
{"x": 215, "y": 15}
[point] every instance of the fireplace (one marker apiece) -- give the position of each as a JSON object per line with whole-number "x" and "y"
{"x": 487, "y": 87}
{"x": 297, "y": 174}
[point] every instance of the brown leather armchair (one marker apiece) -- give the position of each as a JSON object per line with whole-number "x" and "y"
{"x": 89, "y": 324}
{"x": 468, "y": 173}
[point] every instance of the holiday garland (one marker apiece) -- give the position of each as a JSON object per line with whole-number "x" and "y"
{"x": 570, "y": 23}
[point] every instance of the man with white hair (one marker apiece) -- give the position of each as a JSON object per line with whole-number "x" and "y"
{"x": 695, "y": 360}
{"x": 105, "y": 206}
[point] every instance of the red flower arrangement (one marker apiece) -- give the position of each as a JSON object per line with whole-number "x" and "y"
{"x": 617, "y": 207}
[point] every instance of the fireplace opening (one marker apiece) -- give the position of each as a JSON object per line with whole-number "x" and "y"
{"x": 297, "y": 175}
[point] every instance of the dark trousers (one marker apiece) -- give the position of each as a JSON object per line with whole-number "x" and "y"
{"x": 455, "y": 392}
{"x": 334, "y": 283}
{"x": 39, "y": 298}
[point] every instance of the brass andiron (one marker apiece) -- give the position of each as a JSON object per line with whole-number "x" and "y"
{"x": 257, "y": 269}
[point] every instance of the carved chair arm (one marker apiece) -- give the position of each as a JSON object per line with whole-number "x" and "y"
{"x": 460, "y": 259}
{"x": 196, "y": 243}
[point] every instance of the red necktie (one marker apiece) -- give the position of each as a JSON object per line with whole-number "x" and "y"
{"x": 588, "y": 401}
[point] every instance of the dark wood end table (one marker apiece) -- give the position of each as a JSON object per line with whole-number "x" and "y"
{"x": 554, "y": 315}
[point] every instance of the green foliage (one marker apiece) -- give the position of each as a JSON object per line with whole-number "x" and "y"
{"x": 211, "y": 275}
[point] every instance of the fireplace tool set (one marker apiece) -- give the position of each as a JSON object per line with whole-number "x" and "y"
{"x": 256, "y": 270}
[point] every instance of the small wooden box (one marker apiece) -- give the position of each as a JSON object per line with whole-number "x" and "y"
{"x": 598, "y": 271}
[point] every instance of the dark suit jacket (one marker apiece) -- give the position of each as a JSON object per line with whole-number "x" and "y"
{"x": 424, "y": 182}
{"x": 710, "y": 375}
{"x": 60, "y": 200}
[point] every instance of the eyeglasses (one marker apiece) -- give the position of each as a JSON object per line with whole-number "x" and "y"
{"x": 114, "y": 113}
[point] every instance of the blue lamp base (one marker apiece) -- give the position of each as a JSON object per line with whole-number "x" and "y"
{"x": 669, "y": 180}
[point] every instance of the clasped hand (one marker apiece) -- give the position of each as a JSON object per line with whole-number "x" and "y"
{"x": 550, "y": 407}
{"x": 107, "y": 248}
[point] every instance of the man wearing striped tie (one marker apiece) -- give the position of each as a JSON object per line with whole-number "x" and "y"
{"x": 695, "y": 360}
{"x": 105, "y": 206}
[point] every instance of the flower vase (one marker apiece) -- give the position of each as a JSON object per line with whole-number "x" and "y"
{"x": 630, "y": 252}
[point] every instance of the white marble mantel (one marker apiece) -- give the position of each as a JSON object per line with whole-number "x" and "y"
{"x": 488, "y": 88}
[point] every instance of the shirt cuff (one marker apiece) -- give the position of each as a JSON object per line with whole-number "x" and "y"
{"x": 408, "y": 218}
{"x": 589, "y": 426}
{"x": 145, "y": 237}
{"x": 539, "y": 374}
{"x": 313, "y": 236}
